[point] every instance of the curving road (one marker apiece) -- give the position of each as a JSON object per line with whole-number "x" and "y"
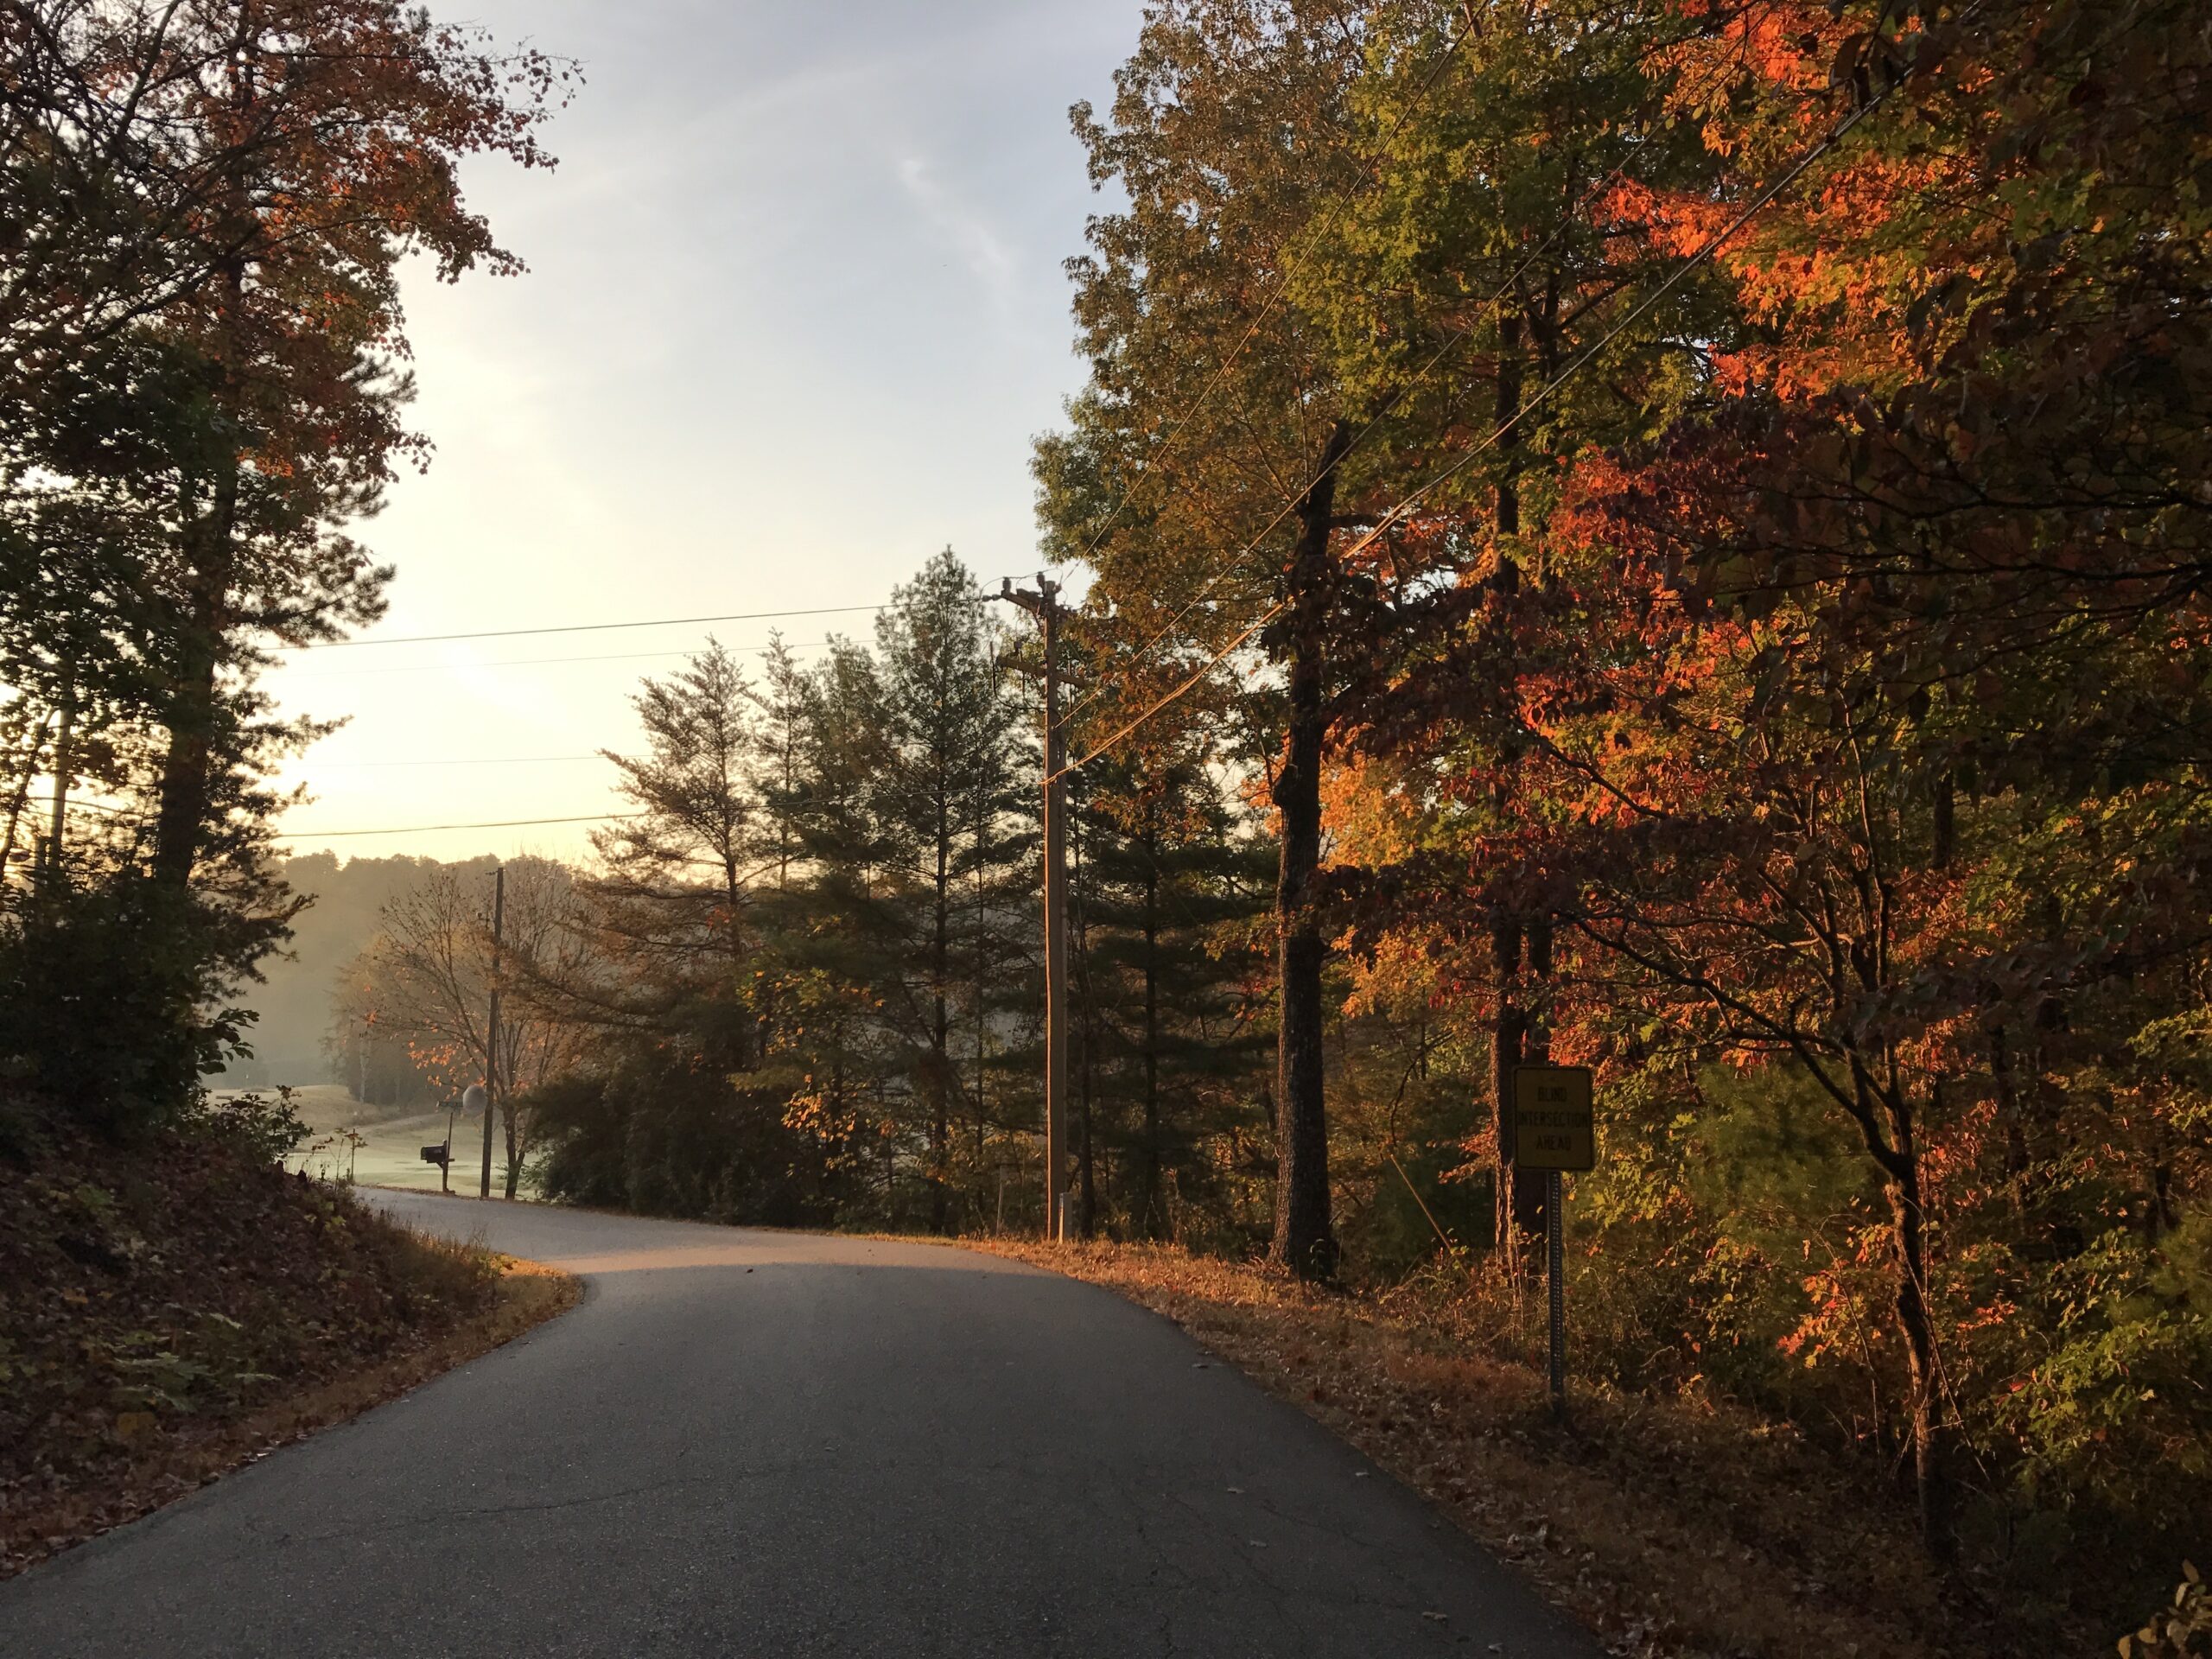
{"x": 767, "y": 1445}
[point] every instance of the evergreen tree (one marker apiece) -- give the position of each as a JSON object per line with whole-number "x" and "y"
{"x": 949, "y": 777}
{"x": 1172, "y": 884}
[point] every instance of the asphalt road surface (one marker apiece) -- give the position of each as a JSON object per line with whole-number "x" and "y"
{"x": 750, "y": 1443}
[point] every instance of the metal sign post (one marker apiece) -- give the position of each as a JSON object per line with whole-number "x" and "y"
{"x": 1554, "y": 1129}
{"x": 1555, "y": 1276}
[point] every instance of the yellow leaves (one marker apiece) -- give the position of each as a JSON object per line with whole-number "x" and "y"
{"x": 1367, "y": 812}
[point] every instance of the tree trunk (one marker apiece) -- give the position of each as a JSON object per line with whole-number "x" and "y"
{"x": 1086, "y": 1170}
{"x": 1930, "y": 1463}
{"x": 941, "y": 1033}
{"x": 1886, "y": 1119}
{"x": 1532, "y": 1188}
{"x": 1507, "y": 1032}
{"x": 20, "y": 798}
{"x": 194, "y": 711}
{"x": 1152, "y": 1222}
{"x": 735, "y": 942}
{"x": 1304, "y": 1240}
{"x": 1086, "y": 1208}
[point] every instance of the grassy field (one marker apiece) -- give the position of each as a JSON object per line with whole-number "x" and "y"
{"x": 390, "y": 1152}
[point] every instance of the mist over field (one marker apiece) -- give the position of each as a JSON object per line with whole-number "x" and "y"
{"x": 294, "y": 1034}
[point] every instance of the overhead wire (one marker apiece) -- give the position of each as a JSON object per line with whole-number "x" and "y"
{"x": 592, "y": 818}
{"x": 141, "y": 814}
{"x": 1147, "y": 465}
{"x": 1290, "y": 503}
{"x": 542, "y": 662}
{"x": 582, "y": 627}
{"x": 460, "y": 760}
{"x": 1712, "y": 244}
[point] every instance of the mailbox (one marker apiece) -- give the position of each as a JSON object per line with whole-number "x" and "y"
{"x": 435, "y": 1156}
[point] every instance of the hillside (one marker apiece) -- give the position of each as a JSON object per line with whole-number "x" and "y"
{"x": 291, "y": 1002}
{"x": 172, "y": 1307}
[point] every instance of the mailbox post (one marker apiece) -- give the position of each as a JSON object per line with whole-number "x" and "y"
{"x": 1554, "y": 1129}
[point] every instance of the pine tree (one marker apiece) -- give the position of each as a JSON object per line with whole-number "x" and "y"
{"x": 1173, "y": 883}
{"x": 951, "y": 776}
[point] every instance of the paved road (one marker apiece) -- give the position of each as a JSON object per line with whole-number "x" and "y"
{"x": 758, "y": 1443}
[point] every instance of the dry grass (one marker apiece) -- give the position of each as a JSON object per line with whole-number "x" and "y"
{"x": 1673, "y": 1527}
{"x": 171, "y": 1308}
{"x": 170, "y": 1463}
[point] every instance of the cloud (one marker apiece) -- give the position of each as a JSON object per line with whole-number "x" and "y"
{"x": 965, "y": 229}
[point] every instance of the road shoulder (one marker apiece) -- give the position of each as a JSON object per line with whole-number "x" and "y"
{"x": 1668, "y": 1532}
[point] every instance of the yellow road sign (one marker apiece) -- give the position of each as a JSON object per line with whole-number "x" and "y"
{"x": 1552, "y": 1124}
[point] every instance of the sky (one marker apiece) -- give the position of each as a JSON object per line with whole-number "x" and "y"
{"x": 796, "y": 310}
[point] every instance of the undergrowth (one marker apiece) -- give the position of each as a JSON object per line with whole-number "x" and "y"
{"x": 155, "y": 1289}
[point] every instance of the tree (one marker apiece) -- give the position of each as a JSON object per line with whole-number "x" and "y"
{"x": 202, "y": 391}
{"x": 675, "y": 898}
{"x": 427, "y": 981}
{"x": 818, "y": 901}
{"x": 1228, "y": 132}
{"x": 949, "y": 777}
{"x": 1169, "y": 890}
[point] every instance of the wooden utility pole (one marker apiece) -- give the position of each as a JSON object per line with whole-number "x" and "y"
{"x": 20, "y": 800}
{"x": 1304, "y": 1238}
{"x": 63, "y": 760}
{"x": 491, "y": 1025}
{"x": 1045, "y": 606}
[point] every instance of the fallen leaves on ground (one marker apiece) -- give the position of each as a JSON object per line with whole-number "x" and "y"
{"x": 1674, "y": 1528}
{"x": 170, "y": 1310}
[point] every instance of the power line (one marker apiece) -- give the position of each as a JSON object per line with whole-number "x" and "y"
{"x": 1782, "y": 182}
{"x": 1787, "y": 177}
{"x": 428, "y": 829}
{"x": 514, "y": 823}
{"x": 1212, "y": 663}
{"x": 1291, "y": 268}
{"x": 1290, "y": 503}
{"x": 584, "y": 628}
{"x": 464, "y": 761}
{"x": 535, "y": 662}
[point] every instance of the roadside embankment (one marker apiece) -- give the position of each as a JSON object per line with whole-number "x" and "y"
{"x": 172, "y": 1309}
